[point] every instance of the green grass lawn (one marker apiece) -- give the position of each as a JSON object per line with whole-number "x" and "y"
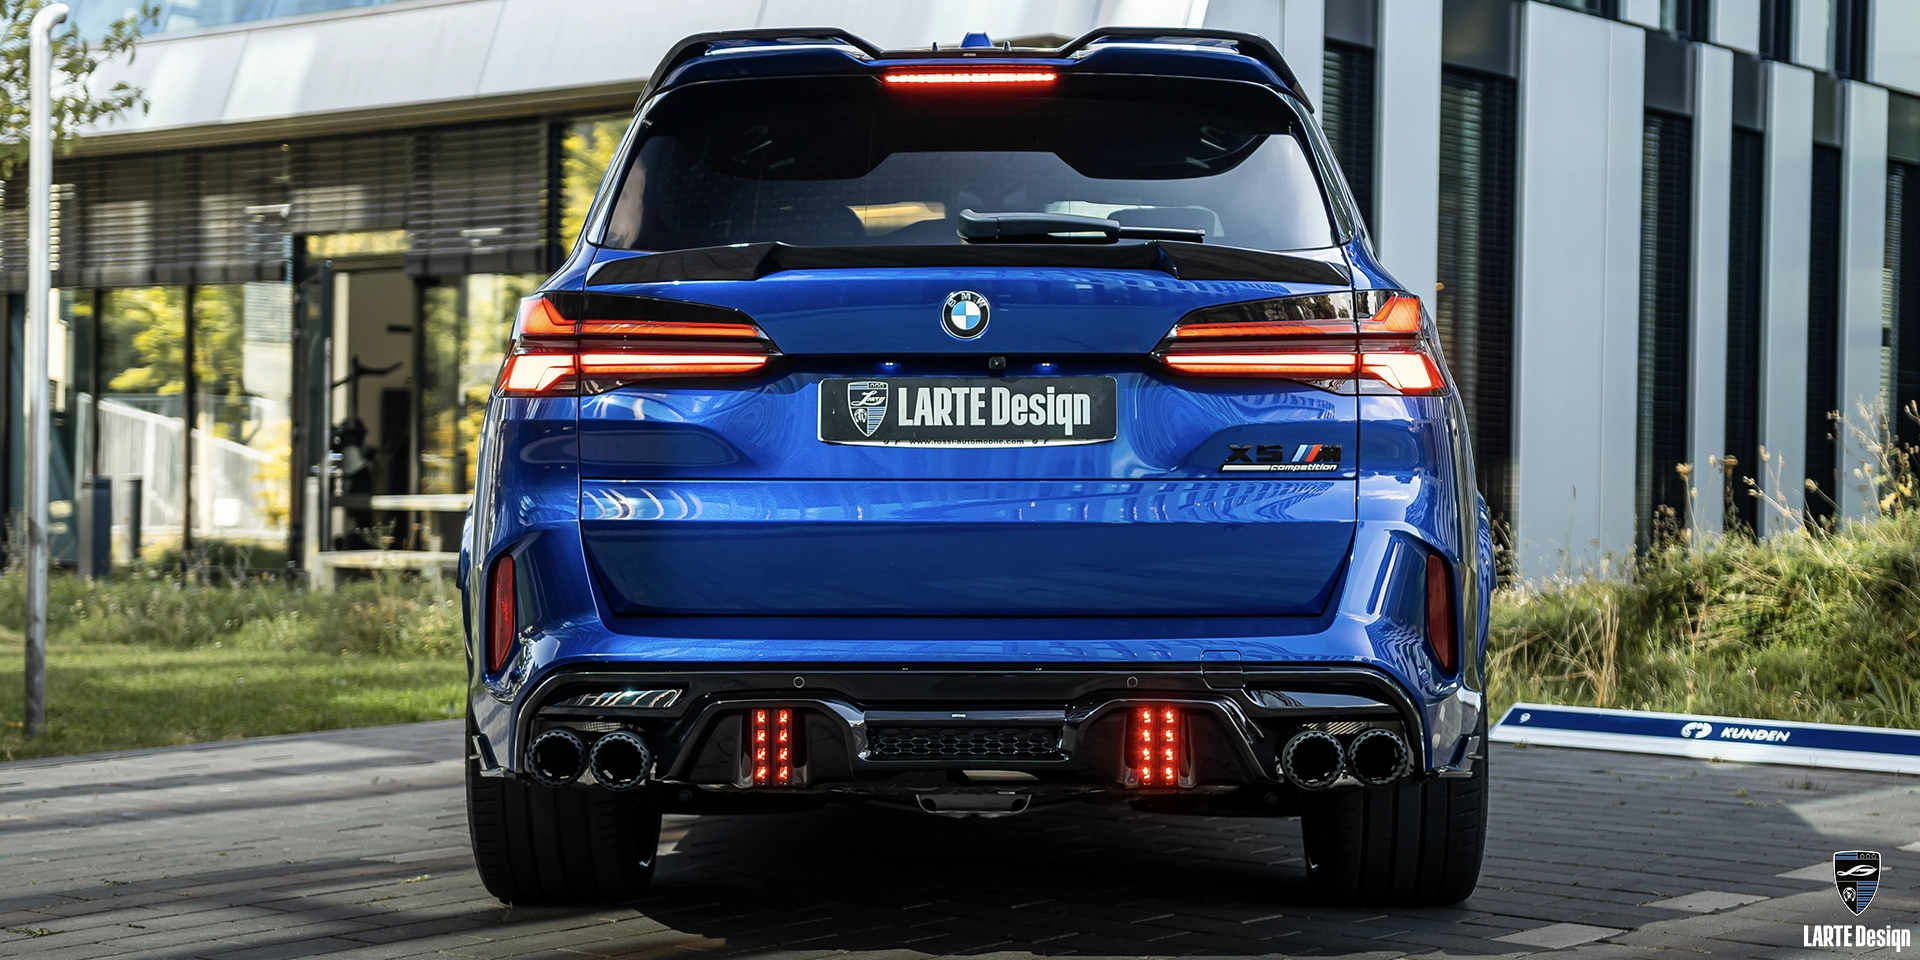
{"x": 143, "y": 661}
{"x": 1819, "y": 626}
{"x": 109, "y": 696}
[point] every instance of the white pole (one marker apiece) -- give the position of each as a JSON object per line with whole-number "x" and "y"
{"x": 39, "y": 402}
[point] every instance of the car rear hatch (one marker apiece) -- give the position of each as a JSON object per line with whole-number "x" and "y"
{"x": 977, "y": 429}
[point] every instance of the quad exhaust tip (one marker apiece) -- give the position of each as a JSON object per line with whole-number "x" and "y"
{"x": 1377, "y": 757}
{"x": 620, "y": 761}
{"x": 1313, "y": 759}
{"x": 556, "y": 757}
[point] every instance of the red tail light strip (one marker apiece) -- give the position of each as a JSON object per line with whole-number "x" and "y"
{"x": 503, "y": 623}
{"x": 548, "y": 360}
{"x": 1440, "y": 635}
{"x": 974, "y": 77}
{"x": 770, "y": 746}
{"x": 1156, "y": 748}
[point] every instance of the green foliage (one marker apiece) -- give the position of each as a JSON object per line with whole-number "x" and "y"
{"x": 387, "y": 617}
{"x": 116, "y": 696}
{"x": 76, "y": 105}
{"x": 149, "y": 661}
{"x": 1818, "y": 624}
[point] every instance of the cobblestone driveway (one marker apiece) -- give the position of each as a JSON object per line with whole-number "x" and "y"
{"x": 353, "y": 844}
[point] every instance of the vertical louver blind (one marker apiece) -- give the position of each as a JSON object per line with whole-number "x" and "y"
{"x": 479, "y": 201}
{"x": 470, "y": 199}
{"x": 1666, "y": 241}
{"x": 1474, "y": 302}
{"x": 1743, "y": 327}
{"x": 1901, "y": 307}
{"x": 1823, "y": 337}
{"x": 350, "y": 184}
{"x": 1346, "y": 116}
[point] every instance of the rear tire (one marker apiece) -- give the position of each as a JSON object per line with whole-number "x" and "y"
{"x": 1414, "y": 841}
{"x": 535, "y": 844}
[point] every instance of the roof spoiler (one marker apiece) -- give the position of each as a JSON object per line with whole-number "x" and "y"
{"x": 1249, "y": 45}
{"x": 1246, "y": 44}
{"x": 700, "y": 43}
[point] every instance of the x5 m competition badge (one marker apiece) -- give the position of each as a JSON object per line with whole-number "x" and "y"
{"x": 1857, "y": 874}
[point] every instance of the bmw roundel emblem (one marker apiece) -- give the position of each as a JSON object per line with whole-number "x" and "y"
{"x": 965, "y": 315}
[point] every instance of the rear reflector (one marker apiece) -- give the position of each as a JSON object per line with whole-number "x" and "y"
{"x": 556, "y": 356}
{"x": 502, "y": 619}
{"x": 1156, "y": 750}
{"x": 978, "y": 77}
{"x": 770, "y": 746}
{"x": 1440, "y": 634}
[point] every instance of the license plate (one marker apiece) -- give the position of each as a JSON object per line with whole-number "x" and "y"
{"x": 968, "y": 411}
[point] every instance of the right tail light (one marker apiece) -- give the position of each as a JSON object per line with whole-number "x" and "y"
{"x": 503, "y": 626}
{"x": 1374, "y": 337}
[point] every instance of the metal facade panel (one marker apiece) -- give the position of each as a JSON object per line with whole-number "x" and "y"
{"x": 1407, "y": 181}
{"x": 1784, "y": 279}
{"x": 1712, "y": 196}
{"x": 1894, "y": 39}
{"x": 356, "y": 63}
{"x": 1577, "y": 328}
{"x": 186, "y": 81}
{"x": 541, "y": 44}
{"x": 1863, "y": 239}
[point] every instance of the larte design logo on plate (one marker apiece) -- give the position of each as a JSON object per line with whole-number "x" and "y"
{"x": 968, "y": 411}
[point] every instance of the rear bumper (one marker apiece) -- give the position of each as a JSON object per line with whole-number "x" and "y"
{"x": 903, "y": 729}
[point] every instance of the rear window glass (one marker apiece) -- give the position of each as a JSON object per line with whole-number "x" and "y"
{"x": 846, "y": 161}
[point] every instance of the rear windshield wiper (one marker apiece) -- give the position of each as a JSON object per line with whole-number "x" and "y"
{"x": 1061, "y": 228}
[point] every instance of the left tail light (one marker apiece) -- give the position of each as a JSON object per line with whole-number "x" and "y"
{"x": 503, "y": 625}
{"x": 1373, "y": 337}
{"x": 570, "y": 344}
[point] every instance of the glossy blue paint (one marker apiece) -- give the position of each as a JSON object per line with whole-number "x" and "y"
{"x": 706, "y": 525}
{"x": 768, "y": 429}
{"x": 946, "y": 548}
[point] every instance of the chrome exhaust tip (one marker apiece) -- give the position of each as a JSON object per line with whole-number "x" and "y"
{"x": 556, "y": 757}
{"x": 1378, "y": 757}
{"x": 620, "y": 761}
{"x": 1313, "y": 760}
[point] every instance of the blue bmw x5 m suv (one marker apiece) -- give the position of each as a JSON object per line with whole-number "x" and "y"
{"x": 975, "y": 429}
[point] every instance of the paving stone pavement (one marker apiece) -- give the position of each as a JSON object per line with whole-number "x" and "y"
{"x": 353, "y": 844}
